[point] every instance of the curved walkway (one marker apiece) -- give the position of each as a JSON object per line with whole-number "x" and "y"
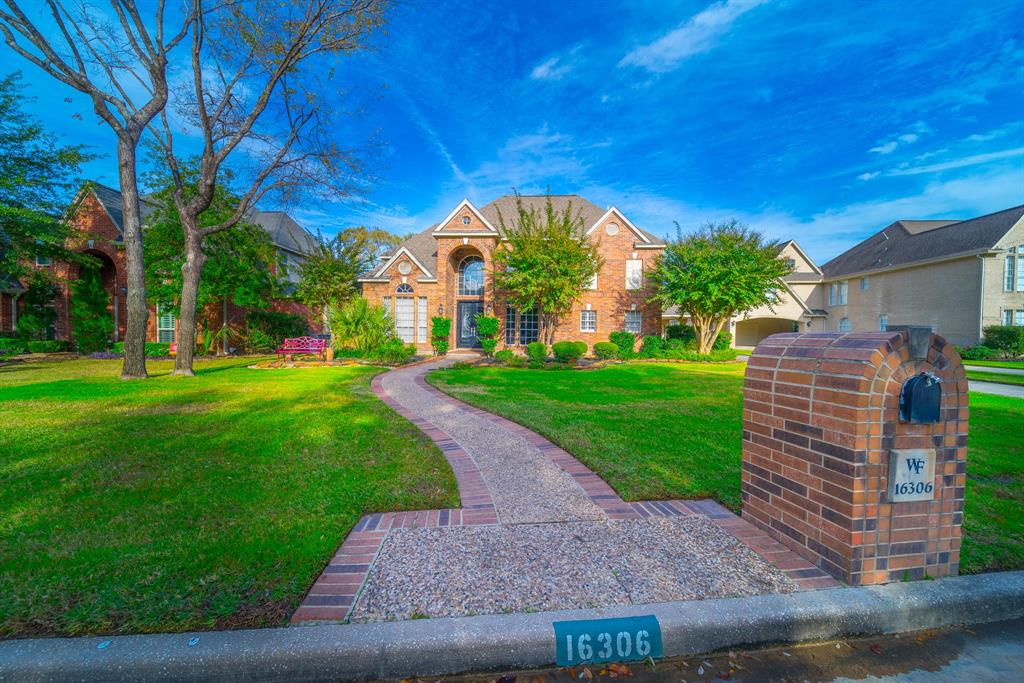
{"x": 537, "y": 531}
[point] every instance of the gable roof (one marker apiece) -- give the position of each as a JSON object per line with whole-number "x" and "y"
{"x": 422, "y": 247}
{"x": 905, "y": 242}
{"x": 282, "y": 229}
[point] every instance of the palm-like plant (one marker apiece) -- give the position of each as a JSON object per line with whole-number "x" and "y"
{"x": 362, "y": 326}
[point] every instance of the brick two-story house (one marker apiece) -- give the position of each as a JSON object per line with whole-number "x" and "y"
{"x": 97, "y": 230}
{"x": 448, "y": 269}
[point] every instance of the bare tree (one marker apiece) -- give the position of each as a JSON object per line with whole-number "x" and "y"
{"x": 255, "y": 98}
{"x": 119, "y": 61}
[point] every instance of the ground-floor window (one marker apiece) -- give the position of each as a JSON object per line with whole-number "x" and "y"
{"x": 404, "y": 318}
{"x": 634, "y": 322}
{"x": 165, "y": 323}
{"x": 1019, "y": 320}
{"x": 883, "y": 322}
{"x": 844, "y": 325}
{"x": 522, "y": 326}
{"x": 421, "y": 321}
{"x": 588, "y": 321}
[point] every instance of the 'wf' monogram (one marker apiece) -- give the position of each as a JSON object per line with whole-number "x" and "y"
{"x": 915, "y": 465}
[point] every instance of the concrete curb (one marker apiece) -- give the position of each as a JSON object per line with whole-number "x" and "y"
{"x": 447, "y": 646}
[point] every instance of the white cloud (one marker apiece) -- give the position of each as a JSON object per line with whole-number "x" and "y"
{"x": 960, "y": 163}
{"x": 869, "y": 176}
{"x": 550, "y": 70}
{"x": 908, "y": 138}
{"x": 887, "y": 148}
{"x": 916, "y": 131}
{"x": 696, "y": 35}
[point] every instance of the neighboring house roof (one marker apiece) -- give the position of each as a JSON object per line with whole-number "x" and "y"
{"x": 423, "y": 245}
{"x": 905, "y": 242}
{"x": 284, "y": 232}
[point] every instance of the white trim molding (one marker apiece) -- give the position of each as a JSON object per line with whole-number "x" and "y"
{"x": 464, "y": 204}
{"x": 625, "y": 220}
{"x": 394, "y": 257}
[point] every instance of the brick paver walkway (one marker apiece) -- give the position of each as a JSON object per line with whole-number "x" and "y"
{"x": 482, "y": 558}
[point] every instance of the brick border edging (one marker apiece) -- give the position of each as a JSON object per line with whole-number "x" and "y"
{"x": 334, "y": 593}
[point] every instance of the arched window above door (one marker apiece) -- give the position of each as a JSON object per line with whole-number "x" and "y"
{"x": 471, "y": 276}
{"x": 404, "y": 289}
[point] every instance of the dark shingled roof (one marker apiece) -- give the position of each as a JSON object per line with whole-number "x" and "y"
{"x": 423, "y": 245}
{"x": 284, "y": 232}
{"x": 907, "y": 242}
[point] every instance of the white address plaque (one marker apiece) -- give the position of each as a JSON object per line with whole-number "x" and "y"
{"x": 911, "y": 475}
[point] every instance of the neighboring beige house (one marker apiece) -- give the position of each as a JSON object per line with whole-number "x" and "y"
{"x": 957, "y": 277}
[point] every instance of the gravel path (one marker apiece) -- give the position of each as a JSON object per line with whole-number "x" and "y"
{"x": 525, "y": 485}
{"x": 461, "y": 571}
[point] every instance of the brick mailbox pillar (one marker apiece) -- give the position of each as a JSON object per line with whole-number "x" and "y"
{"x": 835, "y": 470}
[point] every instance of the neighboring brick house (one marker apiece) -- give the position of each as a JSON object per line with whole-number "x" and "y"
{"x": 97, "y": 230}
{"x": 957, "y": 276}
{"x": 448, "y": 269}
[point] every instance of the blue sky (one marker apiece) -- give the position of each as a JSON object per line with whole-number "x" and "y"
{"x": 821, "y": 122}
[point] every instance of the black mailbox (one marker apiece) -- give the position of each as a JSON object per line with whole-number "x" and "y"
{"x": 920, "y": 399}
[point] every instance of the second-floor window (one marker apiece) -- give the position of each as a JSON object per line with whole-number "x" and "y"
{"x": 634, "y": 273}
{"x": 844, "y": 288}
{"x": 832, "y": 289}
{"x": 471, "y": 276}
{"x": 1008, "y": 270}
{"x": 864, "y": 285}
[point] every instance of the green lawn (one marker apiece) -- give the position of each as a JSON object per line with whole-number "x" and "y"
{"x": 174, "y": 503}
{"x": 1013, "y": 364}
{"x": 673, "y": 431}
{"x": 1000, "y": 377}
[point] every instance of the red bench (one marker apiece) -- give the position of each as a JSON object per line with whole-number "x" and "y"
{"x": 302, "y": 345}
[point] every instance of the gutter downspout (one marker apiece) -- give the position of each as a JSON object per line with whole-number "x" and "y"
{"x": 981, "y": 301}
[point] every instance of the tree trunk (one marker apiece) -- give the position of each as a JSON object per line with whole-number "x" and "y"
{"x": 191, "y": 271}
{"x": 138, "y": 311}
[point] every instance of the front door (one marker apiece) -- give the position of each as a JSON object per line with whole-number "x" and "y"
{"x": 468, "y": 310}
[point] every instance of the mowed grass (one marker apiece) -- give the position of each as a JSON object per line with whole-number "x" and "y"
{"x": 1000, "y": 377}
{"x": 1012, "y": 364}
{"x": 657, "y": 431}
{"x": 171, "y": 503}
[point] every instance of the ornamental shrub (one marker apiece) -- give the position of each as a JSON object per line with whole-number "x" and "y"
{"x": 651, "y": 346}
{"x": 516, "y": 362}
{"x": 567, "y": 351}
{"x": 440, "y": 328}
{"x": 393, "y": 352}
{"x": 581, "y": 346}
{"x": 11, "y": 346}
{"x": 536, "y": 364}
{"x": 626, "y": 341}
{"x": 1006, "y": 338}
{"x": 537, "y": 351}
{"x": 722, "y": 341}
{"x": 92, "y": 323}
{"x": 153, "y": 349}
{"x": 972, "y": 353}
{"x": 48, "y": 346}
{"x": 505, "y": 355}
{"x": 278, "y": 326}
{"x": 605, "y": 350}
{"x": 487, "y": 333}
{"x": 716, "y": 356}
{"x": 683, "y": 335}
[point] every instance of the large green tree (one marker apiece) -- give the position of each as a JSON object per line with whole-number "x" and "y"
{"x": 38, "y": 177}
{"x": 716, "y": 273}
{"x": 329, "y": 276}
{"x": 238, "y": 263}
{"x": 545, "y": 261}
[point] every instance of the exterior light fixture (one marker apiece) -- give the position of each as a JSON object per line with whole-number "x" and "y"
{"x": 440, "y": 309}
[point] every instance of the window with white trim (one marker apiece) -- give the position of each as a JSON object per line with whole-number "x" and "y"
{"x": 593, "y": 282}
{"x": 165, "y": 323}
{"x": 1008, "y": 317}
{"x": 1020, "y": 271}
{"x": 385, "y": 303}
{"x": 404, "y": 289}
{"x": 844, "y": 288}
{"x": 529, "y": 326}
{"x": 1008, "y": 270}
{"x": 634, "y": 322}
{"x": 844, "y": 325}
{"x": 588, "y": 321}
{"x": 883, "y": 322}
{"x": 404, "y": 318}
{"x": 832, "y": 289}
{"x": 510, "y": 325}
{"x": 634, "y": 273}
{"x": 1019, "y": 318}
{"x": 421, "y": 321}
{"x": 864, "y": 284}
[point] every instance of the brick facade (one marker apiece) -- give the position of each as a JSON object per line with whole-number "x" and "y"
{"x": 465, "y": 234}
{"x": 820, "y": 415}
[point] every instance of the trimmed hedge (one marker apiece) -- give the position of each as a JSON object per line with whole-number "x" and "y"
{"x": 153, "y": 349}
{"x": 394, "y": 352}
{"x": 976, "y": 352}
{"x": 10, "y": 345}
{"x": 568, "y": 351}
{"x": 651, "y": 346}
{"x": 440, "y": 328}
{"x": 1006, "y": 338}
{"x": 626, "y": 341}
{"x": 48, "y": 346}
{"x": 537, "y": 351}
{"x": 606, "y": 350}
{"x": 723, "y": 341}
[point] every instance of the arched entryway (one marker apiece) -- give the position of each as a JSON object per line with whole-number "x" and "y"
{"x": 750, "y": 332}
{"x": 469, "y": 279}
